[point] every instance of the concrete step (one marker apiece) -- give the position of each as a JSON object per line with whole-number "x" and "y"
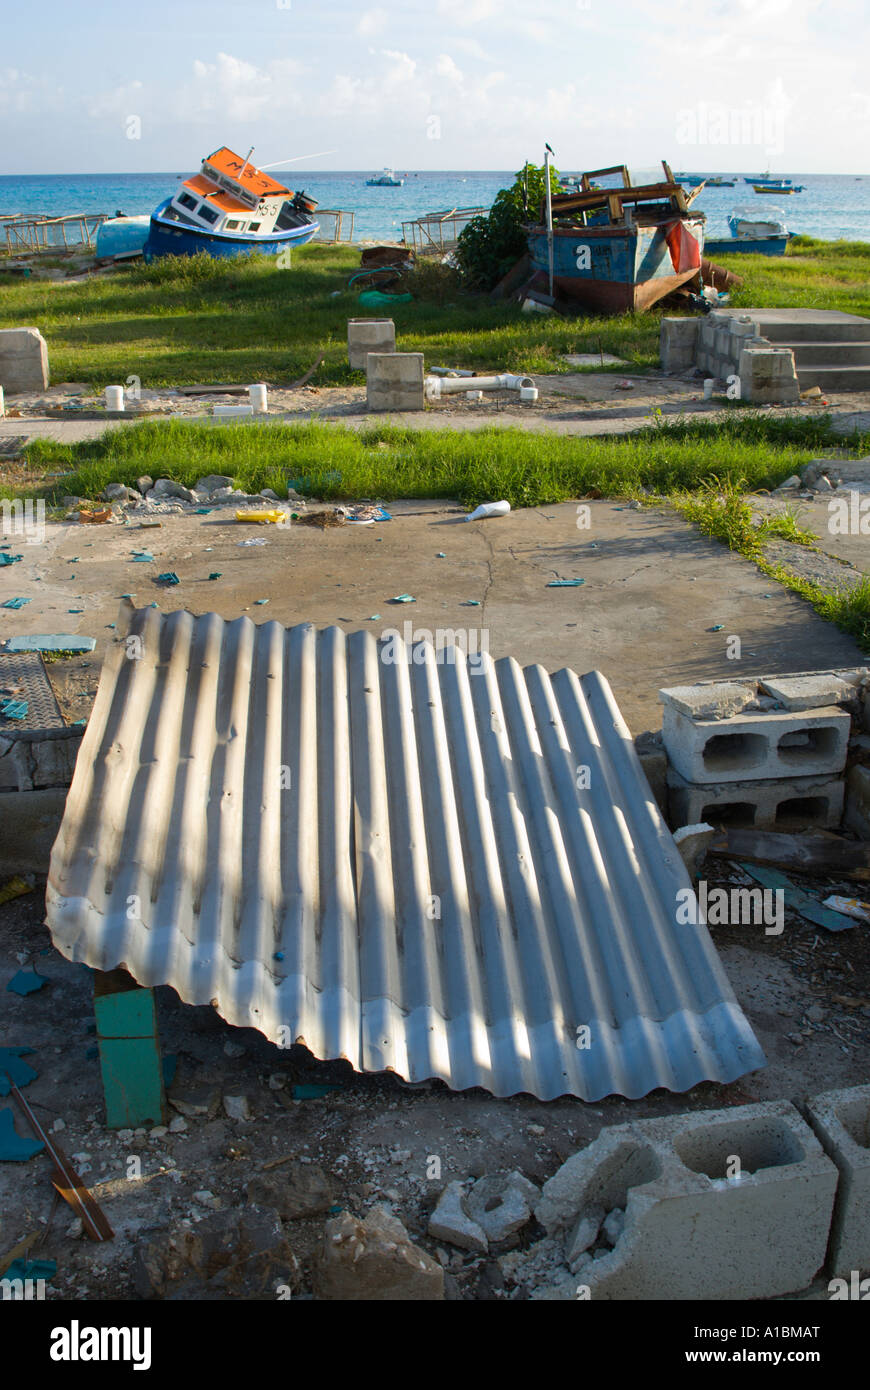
{"x": 830, "y": 354}
{"x": 834, "y": 378}
{"x": 848, "y": 329}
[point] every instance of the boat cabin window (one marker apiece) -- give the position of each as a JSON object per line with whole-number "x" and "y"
{"x": 187, "y": 201}
{"x": 287, "y": 217}
{"x": 208, "y": 214}
{"x": 233, "y": 224}
{"x": 253, "y": 226}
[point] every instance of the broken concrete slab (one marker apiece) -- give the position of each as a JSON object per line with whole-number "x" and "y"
{"x": 721, "y": 1204}
{"x": 501, "y": 1205}
{"x": 241, "y": 1252}
{"x": 716, "y": 700}
{"x": 815, "y": 691}
{"x": 841, "y": 1119}
{"x": 374, "y": 1260}
{"x": 295, "y": 1191}
{"x": 451, "y": 1222}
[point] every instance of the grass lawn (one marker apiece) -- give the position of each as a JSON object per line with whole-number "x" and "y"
{"x": 181, "y": 321}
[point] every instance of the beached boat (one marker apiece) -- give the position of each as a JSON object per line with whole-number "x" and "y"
{"x": 385, "y": 180}
{"x": 752, "y": 234}
{"x": 122, "y": 238}
{"x": 618, "y": 248}
{"x": 230, "y": 208}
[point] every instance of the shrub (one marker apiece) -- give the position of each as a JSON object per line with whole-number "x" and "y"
{"x": 489, "y": 246}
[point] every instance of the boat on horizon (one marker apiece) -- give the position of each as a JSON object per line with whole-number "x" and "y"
{"x": 752, "y": 233}
{"x": 763, "y": 183}
{"x": 385, "y": 180}
{"x": 230, "y": 208}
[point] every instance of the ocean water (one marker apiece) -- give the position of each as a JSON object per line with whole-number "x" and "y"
{"x": 831, "y": 207}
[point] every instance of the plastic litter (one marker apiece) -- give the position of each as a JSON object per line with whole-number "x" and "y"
{"x": 15, "y": 603}
{"x": 273, "y": 516}
{"x": 565, "y": 583}
{"x": 169, "y": 578}
{"x": 489, "y": 509}
{"x": 260, "y": 601}
{"x": 252, "y": 542}
{"x": 13, "y": 709}
{"x": 14, "y": 887}
{"x": 13, "y": 1069}
{"x": 216, "y": 574}
{"x": 470, "y": 603}
{"x": 717, "y": 627}
{"x": 14, "y": 1148}
{"x": 32, "y": 1270}
{"x": 26, "y": 982}
{"x": 850, "y": 907}
{"x": 142, "y": 557}
{"x": 8, "y": 559}
{"x": 312, "y": 1091}
{"x": 403, "y": 598}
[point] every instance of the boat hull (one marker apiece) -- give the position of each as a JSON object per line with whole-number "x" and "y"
{"x": 629, "y": 268}
{"x": 169, "y": 238}
{"x": 121, "y": 237}
{"x": 754, "y": 246}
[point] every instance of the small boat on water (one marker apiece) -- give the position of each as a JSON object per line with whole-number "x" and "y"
{"x": 718, "y": 182}
{"x": 778, "y": 187}
{"x": 618, "y": 248}
{"x": 385, "y": 180}
{"x": 230, "y": 208}
{"x": 751, "y": 233}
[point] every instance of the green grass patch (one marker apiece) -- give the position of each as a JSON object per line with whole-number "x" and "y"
{"x": 528, "y": 469}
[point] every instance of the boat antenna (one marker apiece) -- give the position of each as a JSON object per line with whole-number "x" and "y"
{"x": 245, "y": 165}
{"x": 295, "y": 160}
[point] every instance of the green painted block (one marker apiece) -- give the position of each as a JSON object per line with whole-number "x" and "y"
{"x": 127, "y": 1015}
{"x": 132, "y": 1082}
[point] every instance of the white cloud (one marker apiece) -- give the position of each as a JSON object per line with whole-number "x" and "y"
{"x": 445, "y": 67}
{"x": 372, "y": 22}
{"x": 467, "y": 12}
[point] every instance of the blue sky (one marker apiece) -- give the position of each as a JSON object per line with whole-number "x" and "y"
{"x": 436, "y": 84}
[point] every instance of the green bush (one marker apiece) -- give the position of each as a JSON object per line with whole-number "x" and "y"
{"x": 489, "y": 246}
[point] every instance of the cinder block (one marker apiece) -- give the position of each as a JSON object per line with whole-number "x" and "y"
{"x": 787, "y": 803}
{"x": 764, "y": 746}
{"x": 29, "y": 825}
{"x": 394, "y": 381}
{"x": 721, "y": 1204}
{"x": 767, "y": 375}
{"x": 368, "y": 335}
{"x": 26, "y": 764}
{"x": 23, "y": 360}
{"x": 841, "y": 1119}
{"x": 678, "y": 344}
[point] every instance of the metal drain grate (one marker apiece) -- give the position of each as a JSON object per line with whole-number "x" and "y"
{"x": 23, "y": 677}
{"x": 12, "y": 445}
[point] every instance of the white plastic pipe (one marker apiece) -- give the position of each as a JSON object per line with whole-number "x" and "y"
{"x": 259, "y": 399}
{"x": 436, "y": 386}
{"x": 114, "y": 398}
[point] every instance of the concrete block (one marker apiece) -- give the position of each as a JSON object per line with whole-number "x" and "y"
{"x": 748, "y": 746}
{"x": 29, "y": 825}
{"x": 23, "y": 360}
{"x": 857, "y": 813}
{"x": 394, "y": 381}
{"x": 813, "y": 691}
{"x": 368, "y": 335}
{"x": 678, "y": 344}
{"x": 787, "y": 803}
{"x": 768, "y": 375}
{"x": 841, "y": 1119}
{"x": 714, "y": 700}
{"x": 654, "y": 762}
{"x": 722, "y": 1204}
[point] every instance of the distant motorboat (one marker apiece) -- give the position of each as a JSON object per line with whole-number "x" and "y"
{"x": 230, "y": 208}
{"x": 752, "y": 234}
{"x": 765, "y": 184}
{"x": 385, "y": 180}
{"x": 718, "y": 182}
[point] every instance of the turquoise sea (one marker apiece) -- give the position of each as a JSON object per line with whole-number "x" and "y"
{"x": 832, "y": 206}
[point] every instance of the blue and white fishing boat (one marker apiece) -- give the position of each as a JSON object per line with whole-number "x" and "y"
{"x": 385, "y": 180}
{"x": 230, "y": 208}
{"x": 122, "y": 238}
{"x": 753, "y": 234}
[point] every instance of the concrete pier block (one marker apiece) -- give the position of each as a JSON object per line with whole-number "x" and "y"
{"x": 780, "y": 743}
{"x": 785, "y": 803}
{"x": 678, "y": 342}
{"x": 721, "y": 1204}
{"x": 768, "y": 375}
{"x": 23, "y": 360}
{"x": 368, "y": 335}
{"x": 394, "y": 381}
{"x": 841, "y": 1119}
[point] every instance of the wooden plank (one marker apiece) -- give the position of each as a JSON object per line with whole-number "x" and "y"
{"x": 803, "y": 854}
{"x": 598, "y": 197}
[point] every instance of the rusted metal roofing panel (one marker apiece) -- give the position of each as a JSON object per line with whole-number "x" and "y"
{"x": 393, "y": 861}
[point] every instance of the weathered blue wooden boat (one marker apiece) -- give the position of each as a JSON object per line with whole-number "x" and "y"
{"x": 230, "y": 208}
{"x": 619, "y": 248}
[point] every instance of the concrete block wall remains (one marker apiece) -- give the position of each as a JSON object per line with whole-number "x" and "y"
{"x": 857, "y": 812}
{"x": 841, "y": 1119}
{"x": 368, "y": 335}
{"x": 768, "y": 375}
{"x": 23, "y": 360}
{"x": 678, "y": 343}
{"x": 394, "y": 381}
{"x": 28, "y": 762}
{"x": 29, "y": 825}
{"x": 746, "y": 747}
{"x": 786, "y": 804}
{"x": 722, "y": 1204}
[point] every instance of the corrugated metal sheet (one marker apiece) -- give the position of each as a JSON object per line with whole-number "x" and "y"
{"x": 431, "y": 892}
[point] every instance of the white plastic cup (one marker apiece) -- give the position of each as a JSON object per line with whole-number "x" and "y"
{"x": 258, "y": 397}
{"x": 114, "y": 397}
{"x": 709, "y": 383}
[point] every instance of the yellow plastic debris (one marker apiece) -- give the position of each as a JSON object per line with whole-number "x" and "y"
{"x": 14, "y": 888}
{"x": 273, "y": 516}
